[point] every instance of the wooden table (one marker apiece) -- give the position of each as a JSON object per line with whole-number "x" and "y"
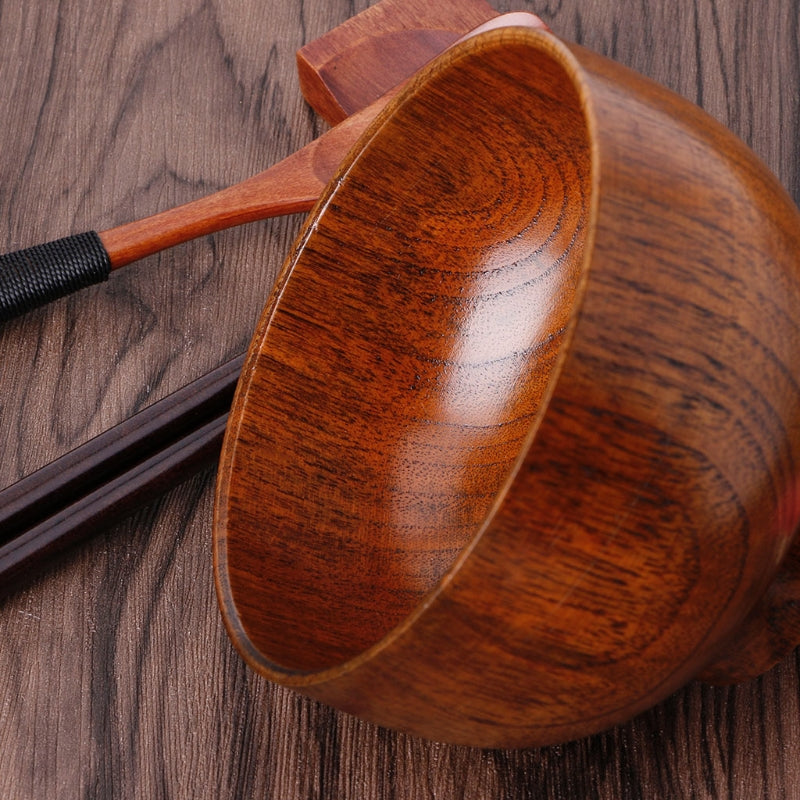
{"x": 116, "y": 676}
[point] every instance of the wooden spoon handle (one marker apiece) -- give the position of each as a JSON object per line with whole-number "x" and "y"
{"x": 43, "y": 273}
{"x": 40, "y": 274}
{"x": 294, "y": 184}
{"x": 289, "y": 187}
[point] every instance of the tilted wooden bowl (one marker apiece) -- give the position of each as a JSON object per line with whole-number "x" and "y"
{"x": 515, "y": 451}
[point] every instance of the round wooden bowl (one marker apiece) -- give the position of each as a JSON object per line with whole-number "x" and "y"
{"x": 515, "y": 450}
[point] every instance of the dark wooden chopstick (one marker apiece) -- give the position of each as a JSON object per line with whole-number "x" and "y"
{"x": 28, "y": 553}
{"x": 107, "y": 478}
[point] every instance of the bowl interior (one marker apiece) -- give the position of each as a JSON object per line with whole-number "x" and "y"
{"x": 398, "y": 372}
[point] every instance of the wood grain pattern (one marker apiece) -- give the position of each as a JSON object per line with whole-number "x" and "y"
{"x": 546, "y": 460}
{"x": 117, "y": 678}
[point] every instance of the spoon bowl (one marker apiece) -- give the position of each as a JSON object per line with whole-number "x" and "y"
{"x": 514, "y": 453}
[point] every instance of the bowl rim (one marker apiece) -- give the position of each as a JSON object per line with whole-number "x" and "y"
{"x": 543, "y": 42}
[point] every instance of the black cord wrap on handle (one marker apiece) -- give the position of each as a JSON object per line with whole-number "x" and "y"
{"x": 37, "y": 275}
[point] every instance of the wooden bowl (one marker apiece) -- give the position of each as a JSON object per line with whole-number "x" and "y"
{"x": 515, "y": 450}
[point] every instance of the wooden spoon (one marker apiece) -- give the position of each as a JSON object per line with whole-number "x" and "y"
{"x": 38, "y": 275}
{"x": 515, "y": 452}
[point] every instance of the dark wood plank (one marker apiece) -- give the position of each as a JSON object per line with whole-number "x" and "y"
{"x": 116, "y": 676}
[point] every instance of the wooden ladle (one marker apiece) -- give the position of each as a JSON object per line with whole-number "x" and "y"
{"x": 37, "y": 275}
{"x": 515, "y": 451}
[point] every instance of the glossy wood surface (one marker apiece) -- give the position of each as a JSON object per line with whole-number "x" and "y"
{"x": 513, "y": 485}
{"x": 120, "y": 678}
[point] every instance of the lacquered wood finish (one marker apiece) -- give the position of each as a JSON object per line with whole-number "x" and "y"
{"x": 117, "y": 678}
{"x": 516, "y": 449}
